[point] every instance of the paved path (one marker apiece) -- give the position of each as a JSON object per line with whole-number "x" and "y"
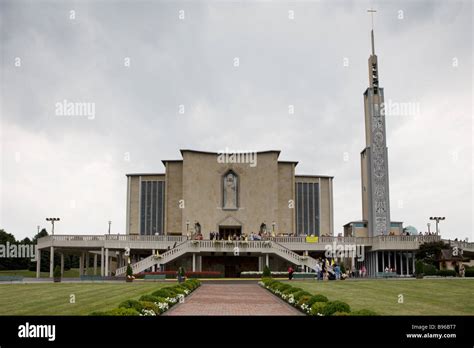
{"x": 232, "y": 299}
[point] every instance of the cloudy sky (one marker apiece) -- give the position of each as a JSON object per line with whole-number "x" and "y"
{"x": 308, "y": 54}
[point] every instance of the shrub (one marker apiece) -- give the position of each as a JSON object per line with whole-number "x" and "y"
{"x": 57, "y": 272}
{"x": 318, "y": 308}
{"x": 150, "y": 306}
{"x": 298, "y": 295}
{"x": 469, "y": 272}
{"x": 268, "y": 281}
{"x": 291, "y": 290}
{"x": 429, "y": 270}
{"x": 129, "y": 271}
{"x": 419, "y": 269}
{"x": 165, "y": 292}
{"x": 188, "y": 285}
{"x": 177, "y": 290}
{"x": 303, "y": 300}
{"x": 150, "y": 298}
{"x": 123, "y": 312}
{"x": 266, "y": 272}
{"x": 336, "y": 306}
{"x": 282, "y": 287}
{"x": 446, "y": 273}
{"x": 132, "y": 304}
{"x": 364, "y": 312}
{"x": 316, "y": 298}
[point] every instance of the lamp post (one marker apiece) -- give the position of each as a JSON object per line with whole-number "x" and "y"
{"x": 52, "y": 223}
{"x": 428, "y": 224}
{"x": 437, "y": 219}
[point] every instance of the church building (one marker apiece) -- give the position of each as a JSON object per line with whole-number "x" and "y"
{"x": 201, "y": 193}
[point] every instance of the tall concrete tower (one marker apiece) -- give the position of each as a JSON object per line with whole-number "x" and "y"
{"x": 374, "y": 158}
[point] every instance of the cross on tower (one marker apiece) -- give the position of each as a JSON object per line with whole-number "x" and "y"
{"x": 372, "y": 11}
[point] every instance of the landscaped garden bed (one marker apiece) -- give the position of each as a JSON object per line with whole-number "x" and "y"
{"x": 155, "y": 303}
{"x": 174, "y": 274}
{"x": 310, "y": 304}
{"x": 254, "y": 274}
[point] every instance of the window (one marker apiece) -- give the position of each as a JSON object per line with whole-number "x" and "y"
{"x": 307, "y": 208}
{"x": 152, "y": 207}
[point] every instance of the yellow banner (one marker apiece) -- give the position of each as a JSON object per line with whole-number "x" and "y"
{"x": 310, "y": 239}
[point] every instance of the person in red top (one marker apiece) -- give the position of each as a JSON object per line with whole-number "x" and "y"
{"x": 290, "y": 273}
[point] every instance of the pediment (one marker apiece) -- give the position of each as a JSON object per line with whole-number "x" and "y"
{"x": 229, "y": 221}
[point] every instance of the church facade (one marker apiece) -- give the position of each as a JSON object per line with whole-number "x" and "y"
{"x": 226, "y": 194}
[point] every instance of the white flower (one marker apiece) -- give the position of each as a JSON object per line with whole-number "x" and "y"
{"x": 147, "y": 312}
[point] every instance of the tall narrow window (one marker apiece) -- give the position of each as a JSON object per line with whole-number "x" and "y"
{"x": 152, "y": 207}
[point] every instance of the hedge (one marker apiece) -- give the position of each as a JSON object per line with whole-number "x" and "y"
{"x": 469, "y": 272}
{"x": 310, "y": 304}
{"x": 446, "y": 273}
{"x": 156, "y": 303}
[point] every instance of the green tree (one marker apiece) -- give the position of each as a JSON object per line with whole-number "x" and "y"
{"x": 430, "y": 252}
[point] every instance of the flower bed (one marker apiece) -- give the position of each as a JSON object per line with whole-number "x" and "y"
{"x": 174, "y": 274}
{"x": 250, "y": 274}
{"x": 155, "y": 303}
{"x": 317, "y": 305}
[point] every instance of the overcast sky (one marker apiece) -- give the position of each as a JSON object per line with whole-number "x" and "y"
{"x": 309, "y": 54}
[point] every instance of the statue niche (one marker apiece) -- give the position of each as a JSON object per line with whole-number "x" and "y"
{"x": 230, "y": 191}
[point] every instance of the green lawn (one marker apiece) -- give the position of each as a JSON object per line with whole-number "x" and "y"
{"x": 71, "y": 273}
{"x": 420, "y": 296}
{"x": 53, "y": 298}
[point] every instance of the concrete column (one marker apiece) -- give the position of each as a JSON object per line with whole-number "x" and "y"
{"x": 102, "y": 262}
{"x": 194, "y": 262}
{"x": 389, "y": 261}
{"x": 62, "y": 264}
{"x": 401, "y": 262}
{"x": 199, "y": 263}
{"x": 86, "y": 266}
{"x": 51, "y": 262}
{"x": 260, "y": 263}
{"x": 153, "y": 268}
{"x": 406, "y": 257}
{"x": 95, "y": 264}
{"x": 267, "y": 260}
{"x": 38, "y": 262}
{"x": 376, "y": 263}
{"x": 383, "y": 261}
{"x": 413, "y": 262}
{"x": 106, "y": 262}
{"x": 81, "y": 264}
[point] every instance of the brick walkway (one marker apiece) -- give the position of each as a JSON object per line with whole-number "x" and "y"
{"x": 232, "y": 299}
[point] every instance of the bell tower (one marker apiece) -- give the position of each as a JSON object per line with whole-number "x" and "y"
{"x": 374, "y": 158}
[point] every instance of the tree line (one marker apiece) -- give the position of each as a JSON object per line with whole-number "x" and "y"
{"x": 17, "y": 263}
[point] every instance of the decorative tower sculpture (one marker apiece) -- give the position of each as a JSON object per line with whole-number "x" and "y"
{"x": 374, "y": 158}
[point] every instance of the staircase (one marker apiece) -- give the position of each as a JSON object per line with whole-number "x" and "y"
{"x": 264, "y": 247}
{"x": 152, "y": 260}
{"x": 293, "y": 257}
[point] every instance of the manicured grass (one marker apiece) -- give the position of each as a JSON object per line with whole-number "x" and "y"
{"x": 420, "y": 296}
{"x": 71, "y": 273}
{"x": 54, "y": 298}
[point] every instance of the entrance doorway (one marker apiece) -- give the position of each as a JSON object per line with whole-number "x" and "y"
{"x": 226, "y": 231}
